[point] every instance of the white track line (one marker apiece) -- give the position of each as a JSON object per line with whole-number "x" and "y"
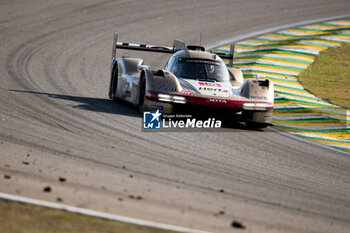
{"x": 98, "y": 214}
{"x": 270, "y": 30}
{"x": 317, "y": 144}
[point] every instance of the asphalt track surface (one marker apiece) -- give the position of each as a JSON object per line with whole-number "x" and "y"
{"x": 56, "y": 122}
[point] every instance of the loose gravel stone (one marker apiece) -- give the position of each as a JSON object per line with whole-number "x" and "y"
{"x": 47, "y": 189}
{"x": 238, "y": 225}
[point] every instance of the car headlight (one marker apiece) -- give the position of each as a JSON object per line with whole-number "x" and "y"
{"x": 179, "y": 99}
{"x": 172, "y": 98}
{"x": 256, "y": 106}
{"x": 164, "y": 97}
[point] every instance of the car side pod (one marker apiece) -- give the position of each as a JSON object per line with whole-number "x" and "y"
{"x": 260, "y": 92}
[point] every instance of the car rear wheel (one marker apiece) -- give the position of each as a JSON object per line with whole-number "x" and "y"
{"x": 142, "y": 93}
{"x": 114, "y": 83}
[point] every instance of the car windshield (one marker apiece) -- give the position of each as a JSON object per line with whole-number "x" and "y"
{"x": 201, "y": 69}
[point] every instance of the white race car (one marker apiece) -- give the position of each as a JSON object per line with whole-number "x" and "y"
{"x": 193, "y": 80}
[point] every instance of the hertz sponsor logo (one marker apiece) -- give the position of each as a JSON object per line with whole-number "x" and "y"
{"x": 213, "y": 89}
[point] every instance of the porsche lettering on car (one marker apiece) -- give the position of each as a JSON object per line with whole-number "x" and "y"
{"x": 193, "y": 80}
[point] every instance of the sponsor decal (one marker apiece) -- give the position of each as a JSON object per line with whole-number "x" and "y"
{"x": 154, "y": 106}
{"x": 186, "y": 92}
{"x": 267, "y": 117}
{"x": 151, "y": 120}
{"x": 191, "y": 60}
{"x": 167, "y": 89}
{"x": 258, "y": 97}
{"x": 209, "y": 84}
{"x": 212, "y": 89}
{"x": 217, "y": 101}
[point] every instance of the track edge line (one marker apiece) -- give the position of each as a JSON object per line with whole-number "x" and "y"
{"x": 272, "y": 29}
{"x": 98, "y": 214}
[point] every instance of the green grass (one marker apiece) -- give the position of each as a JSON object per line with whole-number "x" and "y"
{"x": 18, "y": 217}
{"x": 329, "y": 76}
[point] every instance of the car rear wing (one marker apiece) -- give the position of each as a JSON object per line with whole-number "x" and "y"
{"x": 177, "y": 45}
{"x": 228, "y": 56}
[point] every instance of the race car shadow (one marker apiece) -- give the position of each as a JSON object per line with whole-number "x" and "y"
{"x": 92, "y": 104}
{"x": 123, "y": 108}
{"x": 228, "y": 125}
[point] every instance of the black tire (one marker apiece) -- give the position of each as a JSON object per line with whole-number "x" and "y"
{"x": 114, "y": 83}
{"x": 255, "y": 125}
{"x": 142, "y": 93}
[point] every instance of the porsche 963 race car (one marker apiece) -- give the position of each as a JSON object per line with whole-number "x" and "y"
{"x": 192, "y": 80}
